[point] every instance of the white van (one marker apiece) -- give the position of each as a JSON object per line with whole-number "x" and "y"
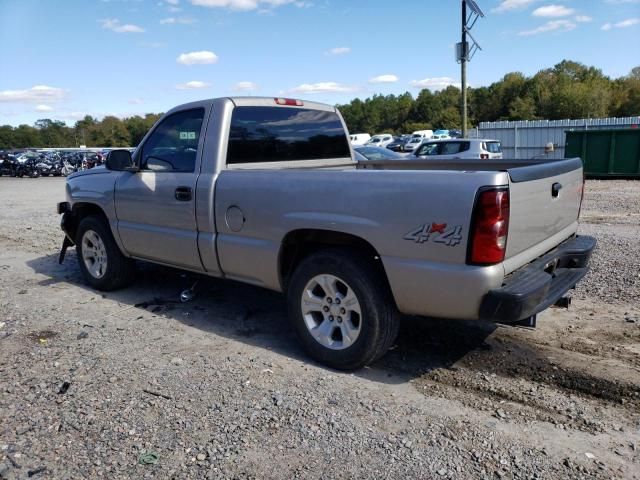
{"x": 425, "y": 134}
{"x": 359, "y": 138}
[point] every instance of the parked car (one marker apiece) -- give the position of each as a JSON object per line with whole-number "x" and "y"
{"x": 468, "y": 148}
{"x": 266, "y": 192}
{"x": 412, "y": 144}
{"x": 381, "y": 140}
{"x": 397, "y": 145}
{"x": 359, "y": 138}
{"x": 378, "y": 153}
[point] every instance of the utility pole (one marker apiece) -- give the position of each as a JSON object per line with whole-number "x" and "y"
{"x": 463, "y": 69}
{"x": 465, "y": 52}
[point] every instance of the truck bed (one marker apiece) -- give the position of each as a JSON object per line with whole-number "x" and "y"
{"x": 519, "y": 170}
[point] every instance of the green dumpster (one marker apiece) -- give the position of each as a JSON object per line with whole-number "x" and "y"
{"x": 606, "y": 153}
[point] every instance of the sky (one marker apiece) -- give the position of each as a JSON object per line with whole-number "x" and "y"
{"x": 64, "y": 59}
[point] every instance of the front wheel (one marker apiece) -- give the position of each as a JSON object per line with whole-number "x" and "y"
{"x": 341, "y": 308}
{"x": 103, "y": 265}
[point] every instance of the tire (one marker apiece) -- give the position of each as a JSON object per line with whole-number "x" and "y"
{"x": 371, "y": 323}
{"x": 109, "y": 269}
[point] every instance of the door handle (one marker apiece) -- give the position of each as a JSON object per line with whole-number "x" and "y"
{"x": 183, "y": 194}
{"x": 555, "y": 189}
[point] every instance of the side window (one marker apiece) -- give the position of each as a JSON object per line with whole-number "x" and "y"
{"x": 173, "y": 145}
{"x": 428, "y": 149}
{"x": 280, "y": 134}
{"x": 450, "y": 148}
{"x": 464, "y": 146}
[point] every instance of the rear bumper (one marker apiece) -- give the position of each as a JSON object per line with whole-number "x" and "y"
{"x": 540, "y": 284}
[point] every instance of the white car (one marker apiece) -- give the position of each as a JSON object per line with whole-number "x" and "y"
{"x": 380, "y": 140}
{"x": 412, "y": 144}
{"x": 460, "y": 148}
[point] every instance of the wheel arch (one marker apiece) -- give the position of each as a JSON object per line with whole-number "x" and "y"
{"x": 82, "y": 210}
{"x": 299, "y": 244}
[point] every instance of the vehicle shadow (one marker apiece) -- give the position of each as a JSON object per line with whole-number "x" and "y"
{"x": 258, "y": 317}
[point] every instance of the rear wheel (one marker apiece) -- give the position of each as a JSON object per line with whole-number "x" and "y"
{"x": 341, "y": 309}
{"x": 103, "y": 265}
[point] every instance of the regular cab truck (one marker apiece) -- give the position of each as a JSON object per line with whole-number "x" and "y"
{"x": 266, "y": 191}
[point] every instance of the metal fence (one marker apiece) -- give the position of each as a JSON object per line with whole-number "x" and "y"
{"x": 527, "y": 139}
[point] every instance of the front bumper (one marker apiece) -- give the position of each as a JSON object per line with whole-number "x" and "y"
{"x": 540, "y": 284}
{"x": 68, "y": 221}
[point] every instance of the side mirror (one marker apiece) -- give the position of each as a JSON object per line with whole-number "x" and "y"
{"x": 120, "y": 161}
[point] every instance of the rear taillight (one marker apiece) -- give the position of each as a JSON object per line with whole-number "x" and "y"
{"x": 289, "y": 101}
{"x": 484, "y": 156}
{"x": 489, "y": 227}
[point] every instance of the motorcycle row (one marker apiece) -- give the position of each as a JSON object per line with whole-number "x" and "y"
{"x": 51, "y": 163}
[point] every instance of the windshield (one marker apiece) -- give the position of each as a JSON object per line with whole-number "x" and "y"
{"x": 374, "y": 140}
{"x": 416, "y": 140}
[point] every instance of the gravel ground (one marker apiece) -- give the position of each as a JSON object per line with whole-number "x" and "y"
{"x": 133, "y": 384}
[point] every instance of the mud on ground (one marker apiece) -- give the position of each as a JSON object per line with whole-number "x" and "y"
{"x": 91, "y": 383}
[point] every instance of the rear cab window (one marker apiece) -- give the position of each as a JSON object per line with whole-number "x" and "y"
{"x": 261, "y": 134}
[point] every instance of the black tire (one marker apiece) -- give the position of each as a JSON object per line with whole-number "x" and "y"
{"x": 379, "y": 322}
{"x": 119, "y": 270}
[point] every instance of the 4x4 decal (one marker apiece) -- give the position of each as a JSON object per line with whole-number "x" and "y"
{"x": 437, "y": 233}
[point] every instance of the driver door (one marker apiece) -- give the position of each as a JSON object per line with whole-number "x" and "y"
{"x": 155, "y": 206}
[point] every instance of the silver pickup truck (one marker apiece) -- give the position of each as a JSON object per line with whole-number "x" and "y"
{"x": 266, "y": 191}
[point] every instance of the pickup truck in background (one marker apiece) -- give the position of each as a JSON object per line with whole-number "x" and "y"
{"x": 266, "y": 191}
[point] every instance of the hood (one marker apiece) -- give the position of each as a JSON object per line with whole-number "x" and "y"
{"x": 92, "y": 171}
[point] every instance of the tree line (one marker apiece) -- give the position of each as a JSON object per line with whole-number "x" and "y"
{"x": 566, "y": 91}
{"x": 109, "y": 132}
{"x": 569, "y": 90}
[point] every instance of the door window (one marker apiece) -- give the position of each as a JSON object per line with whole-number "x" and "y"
{"x": 173, "y": 145}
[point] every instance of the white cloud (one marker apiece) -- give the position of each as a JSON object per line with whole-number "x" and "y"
{"x": 338, "y": 51}
{"x": 136, "y": 101}
{"x": 37, "y": 94}
{"x": 629, "y": 22}
{"x": 553, "y": 11}
{"x": 197, "y": 58}
{"x": 435, "y": 83}
{"x": 323, "y": 87}
{"x": 389, "y": 78}
{"x": 583, "y": 18}
{"x": 114, "y": 25}
{"x": 509, "y": 5}
{"x": 246, "y": 5}
{"x": 193, "y": 85}
{"x": 172, "y": 2}
{"x": 245, "y": 86}
{"x": 178, "y": 20}
{"x": 551, "y": 26}
{"x": 174, "y": 9}
{"x": 44, "y": 108}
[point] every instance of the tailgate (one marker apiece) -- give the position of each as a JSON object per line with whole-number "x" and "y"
{"x": 544, "y": 200}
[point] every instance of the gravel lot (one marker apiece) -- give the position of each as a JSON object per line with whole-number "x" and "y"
{"x": 95, "y": 385}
